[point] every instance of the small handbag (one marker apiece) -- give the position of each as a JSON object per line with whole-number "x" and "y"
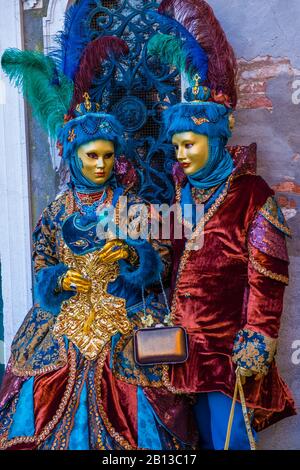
{"x": 160, "y": 344}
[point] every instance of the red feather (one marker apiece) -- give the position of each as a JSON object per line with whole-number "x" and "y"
{"x": 94, "y": 55}
{"x": 199, "y": 19}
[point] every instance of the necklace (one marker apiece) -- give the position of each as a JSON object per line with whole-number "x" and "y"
{"x": 88, "y": 204}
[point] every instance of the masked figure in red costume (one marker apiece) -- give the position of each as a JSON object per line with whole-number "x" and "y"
{"x": 227, "y": 292}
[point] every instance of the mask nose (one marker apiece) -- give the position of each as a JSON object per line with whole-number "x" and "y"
{"x": 100, "y": 163}
{"x": 180, "y": 154}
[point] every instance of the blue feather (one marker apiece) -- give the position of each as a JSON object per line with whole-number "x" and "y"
{"x": 195, "y": 54}
{"x": 73, "y": 39}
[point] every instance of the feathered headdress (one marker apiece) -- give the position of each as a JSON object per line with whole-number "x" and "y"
{"x": 211, "y": 94}
{"x": 97, "y": 51}
{"x": 60, "y": 104}
{"x": 177, "y": 47}
{"x": 199, "y": 20}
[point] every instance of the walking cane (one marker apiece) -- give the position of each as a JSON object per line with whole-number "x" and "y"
{"x": 239, "y": 389}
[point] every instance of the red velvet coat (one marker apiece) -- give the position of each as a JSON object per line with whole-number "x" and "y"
{"x": 235, "y": 281}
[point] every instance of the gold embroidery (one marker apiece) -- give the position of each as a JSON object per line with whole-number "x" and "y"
{"x": 113, "y": 433}
{"x": 270, "y": 212}
{"x": 29, "y": 372}
{"x": 199, "y": 121}
{"x": 254, "y": 351}
{"x": 4, "y": 443}
{"x": 90, "y": 319}
{"x": 167, "y": 383}
{"x": 262, "y": 270}
{"x": 138, "y": 379}
{"x": 200, "y": 196}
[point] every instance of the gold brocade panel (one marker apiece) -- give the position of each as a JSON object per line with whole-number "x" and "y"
{"x": 90, "y": 319}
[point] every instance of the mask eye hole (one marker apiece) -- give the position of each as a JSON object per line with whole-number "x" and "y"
{"x": 92, "y": 155}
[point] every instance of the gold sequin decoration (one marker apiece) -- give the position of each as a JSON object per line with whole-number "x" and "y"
{"x": 71, "y": 135}
{"x": 199, "y": 121}
{"x": 90, "y": 319}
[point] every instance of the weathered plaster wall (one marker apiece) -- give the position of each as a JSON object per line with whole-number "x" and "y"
{"x": 266, "y": 36}
{"x": 44, "y": 180}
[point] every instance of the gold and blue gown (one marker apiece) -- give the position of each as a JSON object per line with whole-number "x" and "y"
{"x": 71, "y": 382}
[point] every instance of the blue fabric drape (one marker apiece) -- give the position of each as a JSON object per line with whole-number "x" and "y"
{"x": 23, "y": 420}
{"x": 212, "y": 412}
{"x": 217, "y": 169}
{"x": 79, "y": 438}
{"x": 148, "y": 436}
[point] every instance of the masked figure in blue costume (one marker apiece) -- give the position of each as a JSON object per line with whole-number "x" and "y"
{"x": 231, "y": 265}
{"x": 71, "y": 382}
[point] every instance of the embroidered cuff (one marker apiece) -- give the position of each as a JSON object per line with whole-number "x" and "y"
{"x": 46, "y": 293}
{"x": 253, "y": 351}
{"x": 149, "y": 268}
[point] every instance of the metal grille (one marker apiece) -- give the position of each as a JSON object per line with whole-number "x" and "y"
{"x": 136, "y": 90}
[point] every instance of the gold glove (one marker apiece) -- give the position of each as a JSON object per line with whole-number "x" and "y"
{"x": 74, "y": 281}
{"x": 114, "y": 250}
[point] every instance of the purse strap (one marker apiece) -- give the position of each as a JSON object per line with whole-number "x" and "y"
{"x": 167, "y": 318}
{"x": 239, "y": 389}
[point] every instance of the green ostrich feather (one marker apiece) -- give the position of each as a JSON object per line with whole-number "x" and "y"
{"x": 170, "y": 50}
{"x": 47, "y": 90}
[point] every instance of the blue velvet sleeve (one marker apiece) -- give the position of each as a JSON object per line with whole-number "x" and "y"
{"x": 47, "y": 267}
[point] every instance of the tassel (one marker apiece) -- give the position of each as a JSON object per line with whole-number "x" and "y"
{"x": 47, "y": 90}
{"x": 199, "y": 19}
